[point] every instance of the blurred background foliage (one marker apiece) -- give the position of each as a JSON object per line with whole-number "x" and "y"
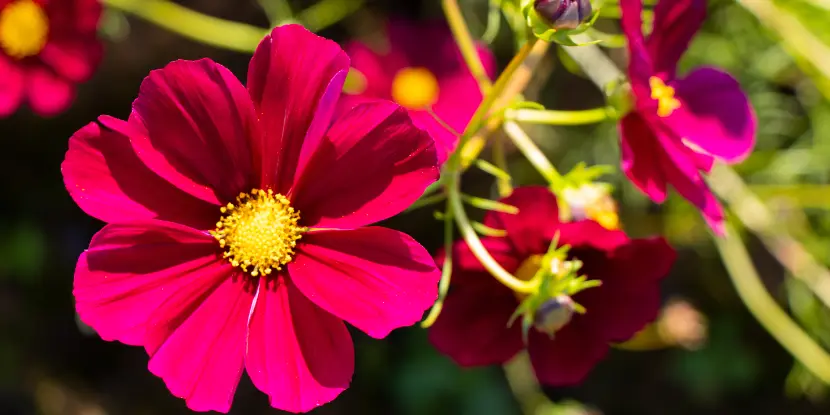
{"x": 52, "y": 364}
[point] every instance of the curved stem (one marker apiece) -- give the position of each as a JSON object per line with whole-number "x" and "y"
{"x": 206, "y": 29}
{"x": 478, "y": 249}
{"x": 761, "y": 304}
{"x": 446, "y": 272}
{"x": 553, "y": 117}
{"x": 538, "y": 159}
{"x": 328, "y": 12}
{"x": 465, "y": 42}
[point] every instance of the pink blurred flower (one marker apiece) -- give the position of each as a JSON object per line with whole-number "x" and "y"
{"x": 287, "y": 194}
{"x": 679, "y": 125}
{"x": 421, "y": 67}
{"x": 474, "y": 330}
{"x": 46, "y": 47}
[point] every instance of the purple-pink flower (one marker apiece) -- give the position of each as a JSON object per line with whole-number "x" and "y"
{"x": 679, "y": 126}
{"x": 237, "y": 235}
{"x": 420, "y": 68}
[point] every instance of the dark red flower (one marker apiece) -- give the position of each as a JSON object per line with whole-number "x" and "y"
{"x": 473, "y": 326}
{"x": 420, "y": 67}
{"x": 46, "y": 47}
{"x": 679, "y": 126}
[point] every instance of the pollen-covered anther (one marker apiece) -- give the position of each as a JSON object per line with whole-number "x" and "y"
{"x": 24, "y": 28}
{"x": 664, "y": 94}
{"x": 259, "y": 232}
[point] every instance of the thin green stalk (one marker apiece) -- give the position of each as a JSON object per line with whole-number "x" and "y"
{"x": 191, "y": 24}
{"x": 426, "y": 201}
{"x": 277, "y": 11}
{"x": 532, "y": 153}
{"x": 466, "y": 43}
{"x": 761, "y": 304}
{"x": 553, "y": 117}
{"x": 503, "y": 183}
{"x": 328, "y": 12}
{"x": 474, "y": 242}
{"x": 446, "y": 272}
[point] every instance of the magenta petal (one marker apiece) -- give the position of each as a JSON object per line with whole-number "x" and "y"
{"x": 131, "y": 269}
{"x": 681, "y": 171}
{"x": 715, "y": 115}
{"x": 12, "y": 86}
{"x": 371, "y": 165}
{"x": 640, "y": 66}
{"x": 375, "y": 278}
{"x": 675, "y": 24}
{"x": 531, "y": 230}
{"x": 73, "y": 59}
{"x": 107, "y": 180}
{"x": 49, "y": 94}
{"x": 472, "y": 328}
{"x": 379, "y": 69}
{"x": 199, "y": 120}
{"x": 567, "y": 358}
{"x": 196, "y": 338}
{"x": 294, "y": 79}
{"x": 297, "y": 353}
{"x": 640, "y": 152}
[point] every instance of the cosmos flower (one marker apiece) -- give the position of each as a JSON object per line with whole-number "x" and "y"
{"x": 474, "y": 330}
{"x": 421, "y": 67}
{"x": 236, "y": 229}
{"x": 46, "y": 47}
{"x": 679, "y": 126}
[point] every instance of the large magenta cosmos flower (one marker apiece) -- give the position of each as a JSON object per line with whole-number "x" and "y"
{"x": 473, "y": 328}
{"x": 679, "y": 125}
{"x": 419, "y": 68}
{"x": 236, "y": 232}
{"x": 46, "y": 47}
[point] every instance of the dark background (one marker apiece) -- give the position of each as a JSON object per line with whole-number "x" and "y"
{"x": 51, "y": 364}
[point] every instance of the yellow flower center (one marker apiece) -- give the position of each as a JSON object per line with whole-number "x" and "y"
{"x": 23, "y": 29}
{"x": 415, "y": 88}
{"x": 592, "y": 202}
{"x": 664, "y": 94}
{"x": 259, "y": 232}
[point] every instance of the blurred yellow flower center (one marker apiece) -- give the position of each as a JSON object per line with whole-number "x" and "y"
{"x": 664, "y": 94}
{"x": 259, "y": 232}
{"x": 23, "y": 29}
{"x": 415, "y": 88}
{"x": 593, "y": 202}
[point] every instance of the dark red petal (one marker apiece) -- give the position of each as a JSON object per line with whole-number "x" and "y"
{"x": 294, "y": 79}
{"x": 199, "y": 120}
{"x": 568, "y": 358}
{"x": 107, "y": 180}
{"x": 196, "y": 338}
{"x": 640, "y": 66}
{"x": 640, "y": 152}
{"x": 629, "y": 297}
{"x": 675, "y": 24}
{"x": 531, "y": 230}
{"x": 375, "y": 278}
{"x": 371, "y": 165}
{"x": 73, "y": 59}
{"x": 297, "y": 353}
{"x": 130, "y": 269}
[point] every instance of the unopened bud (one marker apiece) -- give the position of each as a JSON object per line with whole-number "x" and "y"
{"x": 554, "y": 314}
{"x": 563, "y": 14}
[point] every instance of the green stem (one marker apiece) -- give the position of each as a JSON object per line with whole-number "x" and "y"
{"x": 474, "y": 242}
{"x": 276, "y": 10}
{"x": 503, "y": 183}
{"x": 761, "y": 304}
{"x": 191, "y": 24}
{"x": 328, "y": 12}
{"x": 553, "y": 117}
{"x": 426, "y": 201}
{"x": 446, "y": 272}
{"x": 465, "y": 43}
{"x": 533, "y": 154}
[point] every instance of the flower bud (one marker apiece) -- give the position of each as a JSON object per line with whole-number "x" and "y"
{"x": 563, "y": 14}
{"x": 554, "y": 314}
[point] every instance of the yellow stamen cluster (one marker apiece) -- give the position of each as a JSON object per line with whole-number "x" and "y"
{"x": 415, "y": 88}
{"x": 259, "y": 232}
{"x": 664, "y": 94}
{"x": 24, "y": 27}
{"x": 591, "y": 201}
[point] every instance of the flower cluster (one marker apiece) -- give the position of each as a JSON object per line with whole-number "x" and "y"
{"x": 239, "y": 233}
